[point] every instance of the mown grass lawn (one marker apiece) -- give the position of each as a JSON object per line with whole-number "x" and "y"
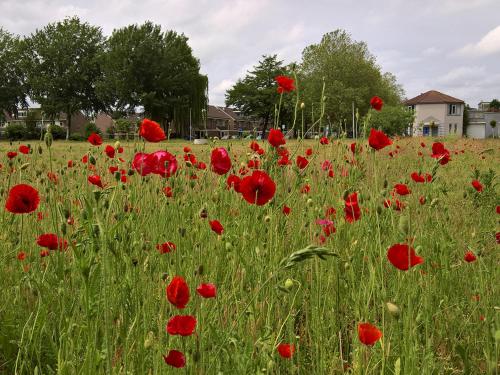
{"x": 100, "y": 305}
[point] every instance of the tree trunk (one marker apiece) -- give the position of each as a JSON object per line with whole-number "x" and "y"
{"x": 264, "y": 126}
{"x": 68, "y": 125}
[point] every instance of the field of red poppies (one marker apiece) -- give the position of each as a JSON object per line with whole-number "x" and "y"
{"x": 324, "y": 256}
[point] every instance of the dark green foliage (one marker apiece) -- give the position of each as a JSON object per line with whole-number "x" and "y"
{"x": 90, "y": 128}
{"x": 144, "y": 66}
{"x": 15, "y": 132}
{"x": 393, "y": 120}
{"x": 62, "y": 67}
{"x": 256, "y": 94}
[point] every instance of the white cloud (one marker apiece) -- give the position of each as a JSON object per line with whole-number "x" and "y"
{"x": 489, "y": 44}
{"x": 223, "y": 86}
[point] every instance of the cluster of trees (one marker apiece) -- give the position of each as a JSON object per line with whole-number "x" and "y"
{"x": 334, "y": 76}
{"x": 70, "y": 66}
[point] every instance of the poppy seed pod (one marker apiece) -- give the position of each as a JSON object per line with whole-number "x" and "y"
{"x": 288, "y": 284}
{"x": 48, "y": 139}
{"x": 40, "y": 149}
{"x": 302, "y": 105}
{"x": 267, "y": 219}
{"x": 117, "y": 145}
{"x": 393, "y": 309}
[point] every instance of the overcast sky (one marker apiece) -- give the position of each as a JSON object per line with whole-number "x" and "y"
{"x": 448, "y": 45}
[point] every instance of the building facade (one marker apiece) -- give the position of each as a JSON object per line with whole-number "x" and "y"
{"x": 483, "y": 122}
{"x": 436, "y": 114}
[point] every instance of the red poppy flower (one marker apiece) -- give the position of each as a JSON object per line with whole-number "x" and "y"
{"x": 11, "y": 154}
{"x": 302, "y": 162}
{"x": 220, "y": 161}
{"x": 233, "y": 181}
{"x": 110, "y": 151}
{"x": 477, "y": 185}
{"x": 324, "y": 141}
{"x": 286, "y": 210}
{"x": 95, "y": 139}
{"x": 417, "y": 177}
{"x": 422, "y": 144}
{"x": 166, "y": 247}
{"x": 151, "y": 131}
{"x": 70, "y": 163}
{"x": 95, "y": 180}
{"x": 276, "y": 138}
{"x": 422, "y": 200}
{"x": 52, "y": 177}
{"x": 403, "y": 257}
{"x": 469, "y": 256}
{"x": 160, "y": 162}
{"x": 368, "y": 334}
{"x": 201, "y": 165}
{"x": 258, "y": 188}
{"x": 175, "y": 359}
{"x": 85, "y": 159}
{"x": 21, "y": 256}
{"x": 23, "y": 149}
{"x": 351, "y": 209}
{"x": 254, "y": 146}
{"x": 376, "y": 103}
{"x": 178, "y": 292}
{"x": 286, "y": 350}
{"x": 216, "y": 226}
{"x": 187, "y": 149}
{"x": 51, "y": 241}
{"x": 182, "y": 325}
{"x": 402, "y": 189}
{"x": 22, "y": 199}
{"x": 440, "y": 152}
{"x": 353, "y": 147}
{"x": 497, "y": 236}
{"x": 378, "y": 140}
{"x": 167, "y": 190}
{"x": 285, "y": 84}
{"x": 305, "y": 189}
{"x": 44, "y": 253}
{"x": 309, "y": 152}
{"x": 498, "y": 210}
{"x": 207, "y": 290}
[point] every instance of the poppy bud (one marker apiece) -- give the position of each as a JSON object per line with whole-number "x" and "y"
{"x": 465, "y": 194}
{"x": 24, "y": 166}
{"x": 385, "y": 184}
{"x": 345, "y": 194}
{"x": 40, "y": 149}
{"x": 229, "y": 246}
{"x": 404, "y": 224}
{"x": 347, "y": 265}
{"x": 379, "y": 210}
{"x": 118, "y": 176}
{"x": 267, "y": 219}
{"x": 92, "y": 160}
{"x": 148, "y": 342}
{"x": 200, "y": 269}
{"x": 302, "y": 105}
{"x": 117, "y": 145}
{"x": 63, "y": 228}
{"x": 393, "y": 309}
{"x": 309, "y": 202}
{"x": 130, "y": 172}
{"x": 48, "y": 139}
{"x": 288, "y": 284}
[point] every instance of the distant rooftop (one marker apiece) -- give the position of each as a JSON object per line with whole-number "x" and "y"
{"x": 433, "y": 97}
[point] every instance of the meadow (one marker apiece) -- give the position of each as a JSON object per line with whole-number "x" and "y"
{"x": 282, "y": 287}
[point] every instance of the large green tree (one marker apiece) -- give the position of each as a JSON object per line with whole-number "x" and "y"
{"x": 145, "y": 67}
{"x": 350, "y": 75}
{"x": 393, "y": 120}
{"x": 256, "y": 95}
{"x": 62, "y": 67}
{"x": 12, "y": 79}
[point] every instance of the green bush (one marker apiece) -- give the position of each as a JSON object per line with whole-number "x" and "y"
{"x": 76, "y": 137}
{"x": 91, "y": 128}
{"x": 57, "y": 131}
{"x": 15, "y": 132}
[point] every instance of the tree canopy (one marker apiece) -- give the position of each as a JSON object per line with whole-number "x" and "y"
{"x": 61, "y": 62}
{"x": 145, "y": 67}
{"x": 256, "y": 94}
{"x": 13, "y": 81}
{"x": 392, "y": 120}
{"x": 350, "y": 74}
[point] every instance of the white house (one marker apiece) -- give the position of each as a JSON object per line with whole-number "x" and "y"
{"x": 436, "y": 114}
{"x": 481, "y": 121}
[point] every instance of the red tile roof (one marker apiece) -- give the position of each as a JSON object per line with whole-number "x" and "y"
{"x": 432, "y": 97}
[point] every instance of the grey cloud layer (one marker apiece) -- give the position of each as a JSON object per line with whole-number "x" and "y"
{"x": 448, "y": 45}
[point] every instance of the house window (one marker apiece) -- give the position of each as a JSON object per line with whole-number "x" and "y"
{"x": 455, "y": 128}
{"x": 449, "y": 129}
{"x": 411, "y": 108}
{"x": 453, "y": 109}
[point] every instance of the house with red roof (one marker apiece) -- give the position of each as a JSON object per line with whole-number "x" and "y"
{"x": 436, "y": 114}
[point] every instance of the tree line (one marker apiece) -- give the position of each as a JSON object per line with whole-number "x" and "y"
{"x": 70, "y": 66}
{"x": 334, "y": 76}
